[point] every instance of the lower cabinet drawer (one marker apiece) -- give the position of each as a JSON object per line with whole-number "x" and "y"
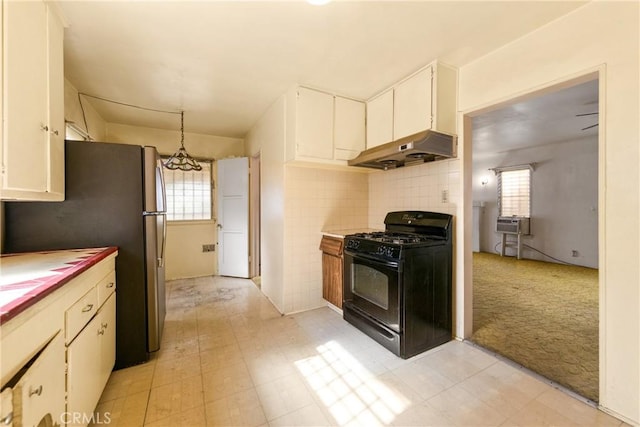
{"x": 106, "y": 287}
{"x": 80, "y": 313}
{"x": 38, "y": 396}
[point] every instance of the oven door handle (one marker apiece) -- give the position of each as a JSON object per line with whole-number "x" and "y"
{"x": 372, "y": 259}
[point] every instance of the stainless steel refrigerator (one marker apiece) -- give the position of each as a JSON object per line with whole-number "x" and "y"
{"x": 114, "y": 196}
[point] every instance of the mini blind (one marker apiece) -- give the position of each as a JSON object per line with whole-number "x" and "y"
{"x": 514, "y": 193}
{"x": 189, "y": 193}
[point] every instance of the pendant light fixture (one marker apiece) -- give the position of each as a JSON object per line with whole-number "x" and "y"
{"x": 181, "y": 159}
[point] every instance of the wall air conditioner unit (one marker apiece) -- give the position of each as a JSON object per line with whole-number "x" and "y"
{"x": 513, "y": 225}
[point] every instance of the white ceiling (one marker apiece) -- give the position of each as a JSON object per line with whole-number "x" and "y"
{"x": 545, "y": 119}
{"x": 225, "y": 62}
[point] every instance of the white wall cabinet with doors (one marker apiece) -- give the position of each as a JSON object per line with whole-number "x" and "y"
{"x": 323, "y": 127}
{"x": 425, "y": 100}
{"x": 380, "y": 119}
{"x": 33, "y": 102}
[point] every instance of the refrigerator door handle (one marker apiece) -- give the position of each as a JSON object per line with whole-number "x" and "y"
{"x": 164, "y": 241}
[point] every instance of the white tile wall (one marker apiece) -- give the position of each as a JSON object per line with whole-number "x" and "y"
{"x": 321, "y": 199}
{"x": 316, "y": 200}
{"x": 414, "y": 188}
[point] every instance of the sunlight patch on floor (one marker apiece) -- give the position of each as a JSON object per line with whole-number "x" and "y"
{"x": 352, "y": 394}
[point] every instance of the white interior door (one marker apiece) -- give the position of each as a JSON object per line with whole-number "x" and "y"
{"x": 233, "y": 217}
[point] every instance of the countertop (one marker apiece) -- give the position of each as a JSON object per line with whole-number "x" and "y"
{"x": 345, "y": 232}
{"x": 26, "y": 278}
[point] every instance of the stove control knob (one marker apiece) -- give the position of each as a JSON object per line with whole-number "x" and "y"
{"x": 385, "y": 251}
{"x": 353, "y": 244}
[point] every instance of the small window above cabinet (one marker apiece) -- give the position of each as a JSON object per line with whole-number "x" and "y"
{"x": 33, "y": 131}
{"x": 323, "y": 127}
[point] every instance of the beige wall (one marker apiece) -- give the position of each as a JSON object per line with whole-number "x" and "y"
{"x": 184, "y": 239}
{"x": 168, "y": 141}
{"x": 599, "y": 36}
{"x": 95, "y": 124}
{"x": 267, "y": 138}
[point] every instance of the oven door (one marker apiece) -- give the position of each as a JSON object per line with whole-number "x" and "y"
{"x": 372, "y": 285}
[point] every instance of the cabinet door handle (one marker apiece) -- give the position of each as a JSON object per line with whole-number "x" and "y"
{"x": 104, "y": 325}
{"x": 88, "y": 308}
{"x": 110, "y": 285}
{"x": 44, "y": 128}
{"x": 55, "y": 132}
{"x": 7, "y": 420}
{"x": 101, "y": 331}
{"x": 37, "y": 391}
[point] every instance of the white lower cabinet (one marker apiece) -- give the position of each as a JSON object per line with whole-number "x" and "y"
{"x": 38, "y": 394}
{"x": 57, "y": 355}
{"x": 107, "y": 343}
{"x": 90, "y": 360}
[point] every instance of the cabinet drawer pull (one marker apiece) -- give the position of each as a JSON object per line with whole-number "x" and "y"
{"x": 7, "y": 420}
{"x": 87, "y": 308}
{"x": 110, "y": 285}
{"x": 37, "y": 391}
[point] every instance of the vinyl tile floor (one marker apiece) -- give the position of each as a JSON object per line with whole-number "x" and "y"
{"x": 228, "y": 358}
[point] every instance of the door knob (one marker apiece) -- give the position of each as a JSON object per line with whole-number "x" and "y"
{"x": 219, "y": 226}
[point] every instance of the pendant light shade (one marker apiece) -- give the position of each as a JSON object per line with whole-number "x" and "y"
{"x": 181, "y": 159}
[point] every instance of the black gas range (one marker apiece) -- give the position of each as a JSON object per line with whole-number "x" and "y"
{"x": 398, "y": 282}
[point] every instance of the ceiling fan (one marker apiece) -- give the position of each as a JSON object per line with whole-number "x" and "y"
{"x": 587, "y": 114}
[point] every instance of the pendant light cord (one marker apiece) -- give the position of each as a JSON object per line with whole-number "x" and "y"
{"x": 180, "y": 159}
{"x": 84, "y": 117}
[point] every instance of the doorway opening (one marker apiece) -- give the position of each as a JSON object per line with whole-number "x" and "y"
{"x": 254, "y": 219}
{"x": 536, "y": 288}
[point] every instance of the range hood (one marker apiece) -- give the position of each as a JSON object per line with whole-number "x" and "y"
{"x": 422, "y": 147}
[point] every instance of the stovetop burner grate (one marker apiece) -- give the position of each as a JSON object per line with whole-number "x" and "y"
{"x": 393, "y": 237}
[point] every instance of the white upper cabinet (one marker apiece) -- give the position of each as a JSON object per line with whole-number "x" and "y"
{"x": 323, "y": 128}
{"x": 424, "y": 100}
{"x": 314, "y": 125}
{"x": 412, "y": 104}
{"x": 349, "y": 128}
{"x": 33, "y": 102}
{"x": 380, "y": 119}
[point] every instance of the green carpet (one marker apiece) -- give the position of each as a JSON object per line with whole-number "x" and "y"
{"x": 541, "y": 315}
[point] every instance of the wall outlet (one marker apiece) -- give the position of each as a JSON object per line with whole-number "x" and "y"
{"x": 575, "y": 253}
{"x": 445, "y": 196}
{"x": 209, "y": 248}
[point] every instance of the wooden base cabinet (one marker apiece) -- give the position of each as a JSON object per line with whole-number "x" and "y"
{"x": 332, "y": 269}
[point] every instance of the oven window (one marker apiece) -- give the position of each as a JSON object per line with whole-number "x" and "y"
{"x": 370, "y": 284}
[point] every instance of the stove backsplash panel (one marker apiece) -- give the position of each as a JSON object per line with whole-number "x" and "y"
{"x": 431, "y": 187}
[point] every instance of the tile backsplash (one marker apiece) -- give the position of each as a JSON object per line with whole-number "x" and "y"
{"x": 326, "y": 199}
{"x": 316, "y": 200}
{"x": 429, "y": 187}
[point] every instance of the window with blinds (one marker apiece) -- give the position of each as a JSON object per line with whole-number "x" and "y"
{"x": 189, "y": 193}
{"x": 514, "y": 193}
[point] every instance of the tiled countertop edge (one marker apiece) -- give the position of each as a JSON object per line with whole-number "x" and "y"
{"x": 50, "y": 284}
